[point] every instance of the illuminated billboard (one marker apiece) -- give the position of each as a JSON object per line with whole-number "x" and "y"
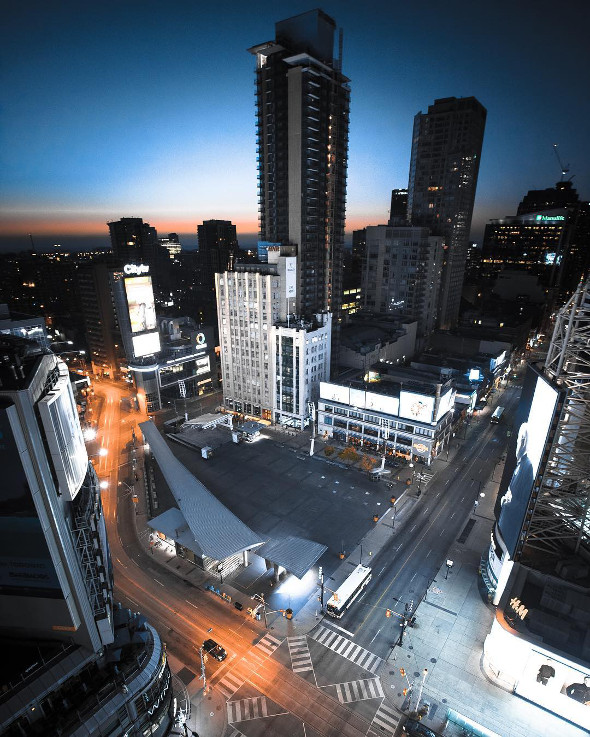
{"x": 140, "y": 301}
{"x": 533, "y": 420}
{"x": 417, "y": 407}
{"x": 334, "y": 393}
{"x": 146, "y": 345}
{"x": 446, "y": 404}
{"x": 64, "y": 436}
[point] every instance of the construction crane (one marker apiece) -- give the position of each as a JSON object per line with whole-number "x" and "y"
{"x": 564, "y": 169}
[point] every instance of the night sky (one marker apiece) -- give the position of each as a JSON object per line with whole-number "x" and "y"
{"x": 113, "y": 109}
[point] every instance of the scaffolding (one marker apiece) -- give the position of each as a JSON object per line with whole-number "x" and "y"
{"x": 558, "y": 521}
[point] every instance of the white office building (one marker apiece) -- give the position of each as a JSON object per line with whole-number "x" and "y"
{"x": 272, "y": 361}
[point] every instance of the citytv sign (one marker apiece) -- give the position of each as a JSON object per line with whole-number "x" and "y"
{"x": 136, "y": 269}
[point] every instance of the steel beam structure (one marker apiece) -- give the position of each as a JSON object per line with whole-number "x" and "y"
{"x": 558, "y": 521}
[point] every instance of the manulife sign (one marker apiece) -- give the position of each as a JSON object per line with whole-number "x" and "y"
{"x": 551, "y": 218}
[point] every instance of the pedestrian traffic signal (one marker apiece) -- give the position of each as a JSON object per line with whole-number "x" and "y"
{"x": 388, "y": 612}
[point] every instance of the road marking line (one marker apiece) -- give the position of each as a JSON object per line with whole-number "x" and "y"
{"x": 161, "y": 584}
{"x": 191, "y": 603}
{"x": 348, "y": 632}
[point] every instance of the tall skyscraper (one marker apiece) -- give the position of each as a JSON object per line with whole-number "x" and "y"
{"x": 73, "y": 662}
{"x": 302, "y": 101}
{"x": 446, "y": 149}
{"x": 218, "y": 248}
{"x": 398, "y": 213}
{"x": 133, "y": 241}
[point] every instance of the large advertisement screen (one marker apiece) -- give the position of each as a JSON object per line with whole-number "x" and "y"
{"x": 146, "y": 345}
{"x": 447, "y": 402}
{"x": 533, "y": 420}
{"x": 64, "y": 436}
{"x": 140, "y": 300}
{"x": 418, "y": 407}
{"x": 334, "y": 393}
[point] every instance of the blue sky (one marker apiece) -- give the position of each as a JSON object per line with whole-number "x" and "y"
{"x": 146, "y": 108}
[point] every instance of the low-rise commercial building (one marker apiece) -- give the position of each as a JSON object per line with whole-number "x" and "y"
{"x": 410, "y": 419}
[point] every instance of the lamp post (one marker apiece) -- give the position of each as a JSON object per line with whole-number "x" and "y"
{"x": 220, "y": 571}
{"x": 449, "y": 566}
{"x": 424, "y": 674}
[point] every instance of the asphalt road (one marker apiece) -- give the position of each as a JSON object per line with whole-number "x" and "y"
{"x": 185, "y": 617}
{"x": 403, "y": 571}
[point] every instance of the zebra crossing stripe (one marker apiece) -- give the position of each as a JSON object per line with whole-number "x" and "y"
{"x": 367, "y": 688}
{"x": 386, "y": 719}
{"x": 347, "y": 649}
{"x": 300, "y": 655}
{"x": 247, "y": 709}
{"x": 229, "y": 685}
{"x": 268, "y": 644}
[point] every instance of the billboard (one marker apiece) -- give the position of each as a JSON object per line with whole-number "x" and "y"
{"x": 382, "y": 403}
{"x": 418, "y": 407}
{"x": 533, "y": 420}
{"x": 334, "y": 393}
{"x": 140, "y": 301}
{"x": 446, "y": 403}
{"x": 64, "y": 436}
{"x": 146, "y": 345}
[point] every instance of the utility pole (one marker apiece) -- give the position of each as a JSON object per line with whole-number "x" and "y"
{"x": 322, "y": 589}
{"x": 311, "y": 408}
{"x": 260, "y": 598}
{"x": 203, "y": 676}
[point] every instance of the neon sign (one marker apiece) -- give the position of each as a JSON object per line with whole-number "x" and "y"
{"x": 550, "y": 218}
{"x": 136, "y": 269}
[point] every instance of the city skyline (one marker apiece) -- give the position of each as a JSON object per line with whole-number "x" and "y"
{"x": 111, "y": 114}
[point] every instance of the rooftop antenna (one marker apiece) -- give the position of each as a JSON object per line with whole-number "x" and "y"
{"x": 564, "y": 169}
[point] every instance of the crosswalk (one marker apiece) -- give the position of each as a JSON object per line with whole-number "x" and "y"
{"x": 368, "y": 688}
{"x": 245, "y": 709}
{"x": 230, "y": 684}
{"x": 235, "y": 733}
{"x": 425, "y": 479}
{"x": 385, "y": 721}
{"x": 300, "y": 655}
{"x": 268, "y": 644}
{"x": 347, "y": 648}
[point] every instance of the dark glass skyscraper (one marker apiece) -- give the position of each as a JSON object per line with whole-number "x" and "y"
{"x": 446, "y": 149}
{"x": 302, "y": 101}
{"x": 218, "y": 248}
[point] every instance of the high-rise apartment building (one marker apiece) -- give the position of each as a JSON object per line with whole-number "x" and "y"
{"x": 218, "y": 249}
{"x": 74, "y": 662}
{"x": 401, "y": 273}
{"x": 272, "y": 362}
{"x": 302, "y": 101}
{"x": 446, "y": 150}
{"x": 133, "y": 241}
{"x": 398, "y": 212}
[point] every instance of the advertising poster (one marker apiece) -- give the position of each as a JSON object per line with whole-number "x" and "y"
{"x": 146, "y": 345}
{"x": 140, "y": 300}
{"x": 418, "y": 407}
{"x": 533, "y": 420}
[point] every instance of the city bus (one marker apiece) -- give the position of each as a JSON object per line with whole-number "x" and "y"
{"x": 348, "y": 591}
{"x": 497, "y": 416}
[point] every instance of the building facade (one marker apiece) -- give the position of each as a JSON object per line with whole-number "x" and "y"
{"x": 446, "y": 151}
{"x": 218, "y": 249}
{"x": 272, "y": 360}
{"x": 410, "y": 424}
{"x": 302, "y": 103}
{"x": 402, "y": 272}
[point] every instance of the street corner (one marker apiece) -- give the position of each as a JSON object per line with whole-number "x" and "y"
{"x": 208, "y": 712}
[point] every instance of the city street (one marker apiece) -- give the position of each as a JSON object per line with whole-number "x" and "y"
{"x": 324, "y": 681}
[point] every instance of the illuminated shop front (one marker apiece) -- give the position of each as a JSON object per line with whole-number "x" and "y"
{"x": 539, "y": 644}
{"x": 403, "y": 423}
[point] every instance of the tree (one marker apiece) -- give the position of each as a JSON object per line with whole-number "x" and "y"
{"x": 349, "y": 454}
{"x": 367, "y": 463}
{"x": 328, "y": 451}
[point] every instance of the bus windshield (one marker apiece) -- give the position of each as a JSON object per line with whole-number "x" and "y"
{"x": 348, "y": 591}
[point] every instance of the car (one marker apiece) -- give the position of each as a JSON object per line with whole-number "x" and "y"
{"x": 416, "y": 729}
{"x": 214, "y": 649}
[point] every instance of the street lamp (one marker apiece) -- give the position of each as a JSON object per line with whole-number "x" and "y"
{"x": 449, "y": 566}
{"x": 220, "y": 571}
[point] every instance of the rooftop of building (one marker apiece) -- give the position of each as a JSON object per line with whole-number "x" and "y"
{"x": 79, "y": 681}
{"x": 410, "y": 378}
{"x": 365, "y": 331}
{"x": 7, "y": 316}
{"x": 18, "y": 360}
{"x": 555, "y": 613}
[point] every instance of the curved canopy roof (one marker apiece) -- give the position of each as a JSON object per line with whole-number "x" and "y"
{"x": 216, "y": 530}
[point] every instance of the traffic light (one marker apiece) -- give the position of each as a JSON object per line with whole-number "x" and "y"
{"x": 388, "y": 612}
